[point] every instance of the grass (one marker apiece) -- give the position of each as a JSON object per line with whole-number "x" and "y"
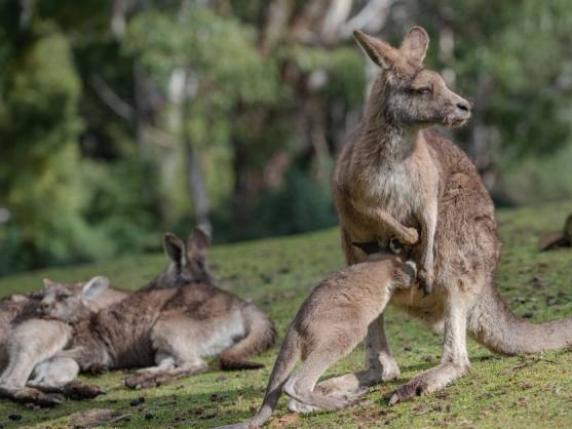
{"x": 532, "y": 391}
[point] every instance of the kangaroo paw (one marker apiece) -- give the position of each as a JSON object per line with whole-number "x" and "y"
{"x": 425, "y": 278}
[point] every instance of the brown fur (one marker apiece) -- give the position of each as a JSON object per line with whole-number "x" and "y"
{"x": 382, "y": 174}
{"x": 173, "y": 328}
{"x": 28, "y": 340}
{"x": 328, "y": 326}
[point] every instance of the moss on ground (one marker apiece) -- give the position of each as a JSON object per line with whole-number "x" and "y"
{"x": 500, "y": 392}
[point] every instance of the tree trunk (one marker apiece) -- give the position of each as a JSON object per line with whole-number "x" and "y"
{"x": 196, "y": 187}
{"x": 195, "y": 181}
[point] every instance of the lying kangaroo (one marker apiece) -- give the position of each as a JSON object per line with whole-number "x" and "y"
{"x": 172, "y": 329}
{"x": 26, "y": 340}
{"x": 380, "y": 172}
{"x": 328, "y": 326}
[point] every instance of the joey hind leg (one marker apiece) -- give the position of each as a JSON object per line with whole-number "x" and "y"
{"x": 380, "y": 365}
{"x": 301, "y": 386}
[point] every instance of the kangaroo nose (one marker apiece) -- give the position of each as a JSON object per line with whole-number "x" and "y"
{"x": 463, "y": 106}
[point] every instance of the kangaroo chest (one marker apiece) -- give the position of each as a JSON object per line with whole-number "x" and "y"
{"x": 394, "y": 189}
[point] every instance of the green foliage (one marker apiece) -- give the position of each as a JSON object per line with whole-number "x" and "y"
{"x": 40, "y": 178}
{"x": 215, "y": 47}
{"x": 299, "y": 205}
{"x": 125, "y": 189}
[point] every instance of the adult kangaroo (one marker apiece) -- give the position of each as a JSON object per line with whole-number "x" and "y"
{"x": 26, "y": 340}
{"x": 165, "y": 332}
{"x": 380, "y": 175}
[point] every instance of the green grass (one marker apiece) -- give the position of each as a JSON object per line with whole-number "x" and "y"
{"x": 500, "y": 392}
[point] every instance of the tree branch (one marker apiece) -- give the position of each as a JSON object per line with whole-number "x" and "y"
{"x": 111, "y": 99}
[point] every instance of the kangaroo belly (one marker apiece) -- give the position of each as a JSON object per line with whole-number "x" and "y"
{"x": 427, "y": 309}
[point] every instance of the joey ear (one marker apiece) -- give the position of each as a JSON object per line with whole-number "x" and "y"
{"x": 198, "y": 242}
{"x": 380, "y": 52}
{"x": 415, "y": 44}
{"x": 175, "y": 249}
{"x": 94, "y": 287}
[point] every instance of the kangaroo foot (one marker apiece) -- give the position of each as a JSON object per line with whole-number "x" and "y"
{"x": 78, "y": 390}
{"x": 29, "y": 395}
{"x": 299, "y": 407}
{"x": 74, "y": 390}
{"x": 145, "y": 381}
{"x": 415, "y": 387}
{"x": 429, "y": 381}
{"x": 357, "y": 383}
{"x": 315, "y": 401}
{"x": 153, "y": 378}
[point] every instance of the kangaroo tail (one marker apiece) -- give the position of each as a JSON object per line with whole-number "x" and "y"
{"x": 260, "y": 337}
{"x": 493, "y": 324}
{"x": 287, "y": 357}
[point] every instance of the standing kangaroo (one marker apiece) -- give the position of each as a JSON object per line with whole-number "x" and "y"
{"x": 380, "y": 190}
{"x": 165, "y": 331}
{"x": 328, "y": 326}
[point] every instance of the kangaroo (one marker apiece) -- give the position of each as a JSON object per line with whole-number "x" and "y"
{"x": 380, "y": 167}
{"x": 165, "y": 331}
{"x": 26, "y": 340}
{"x": 331, "y": 322}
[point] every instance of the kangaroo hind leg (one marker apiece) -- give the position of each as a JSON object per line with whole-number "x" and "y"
{"x": 175, "y": 358}
{"x": 301, "y": 385}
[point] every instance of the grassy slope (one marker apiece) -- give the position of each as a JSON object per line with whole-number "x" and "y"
{"x": 529, "y": 391}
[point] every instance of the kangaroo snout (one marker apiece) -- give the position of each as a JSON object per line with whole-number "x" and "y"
{"x": 44, "y": 308}
{"x": 459, "y": 112}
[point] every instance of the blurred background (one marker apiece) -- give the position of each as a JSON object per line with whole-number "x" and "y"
{"x": 123, "y": 119}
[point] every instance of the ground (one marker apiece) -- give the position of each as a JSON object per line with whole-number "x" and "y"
{"x": 533, "y": 391}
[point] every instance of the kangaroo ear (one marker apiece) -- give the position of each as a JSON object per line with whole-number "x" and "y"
{"x": 415, "y": 44}
{"x": 198, "y": 242}
{"x": 48, "y": 283}
{"x": 175, "y": 249}
{"x": 94, "y": 287}
{"x": 381, "y": 53}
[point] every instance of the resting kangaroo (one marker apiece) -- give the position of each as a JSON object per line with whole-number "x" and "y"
{"x": 27, "y": 340}
{"x": 380, "y": 172}
{"x": 328, "y": 326}
{"x": 167, "y": 332}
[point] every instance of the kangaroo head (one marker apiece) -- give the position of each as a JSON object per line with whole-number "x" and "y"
{"x": 188, "y": 260}
{"x": 70, "y": 302}
{"x": 405, "y": 93}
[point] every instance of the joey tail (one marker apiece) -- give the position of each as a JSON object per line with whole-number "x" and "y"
{"x": 287, "y": 358}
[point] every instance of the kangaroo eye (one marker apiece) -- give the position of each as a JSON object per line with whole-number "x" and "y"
{"x": 423, "y": 91}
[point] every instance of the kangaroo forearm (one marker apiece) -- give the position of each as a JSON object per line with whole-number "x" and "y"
{"x": 387, "y": 222}
{"x": 428, "y": 230}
